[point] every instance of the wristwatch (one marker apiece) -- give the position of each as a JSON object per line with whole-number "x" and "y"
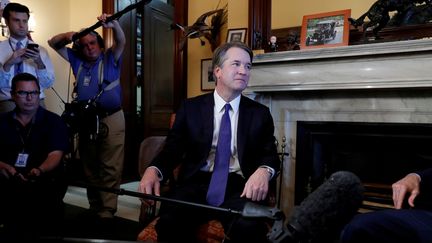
{"x": 269, "y": 170}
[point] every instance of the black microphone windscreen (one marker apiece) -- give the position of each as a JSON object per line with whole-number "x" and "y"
{"x": 328, "y": 208}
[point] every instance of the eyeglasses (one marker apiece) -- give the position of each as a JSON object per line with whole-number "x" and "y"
{"x": 24, "y": 94}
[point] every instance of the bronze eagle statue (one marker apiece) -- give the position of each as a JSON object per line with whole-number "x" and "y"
{"x": 202, "y": 29}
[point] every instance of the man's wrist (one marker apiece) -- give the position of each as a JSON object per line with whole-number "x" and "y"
{"x": 269, "y": 169}
{"x": 417, "y": 175}
{"x": 7, "y": 67}
{"x": 158, "y": 172}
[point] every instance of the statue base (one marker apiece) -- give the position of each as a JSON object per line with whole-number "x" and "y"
{"x": 406, "y": 32}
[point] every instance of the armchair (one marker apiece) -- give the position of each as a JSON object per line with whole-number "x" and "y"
{"x": 211, "y": 232}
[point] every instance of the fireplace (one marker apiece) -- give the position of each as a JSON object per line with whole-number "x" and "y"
{"x": 379, "y": 153}
{"x": 380, "y": 94}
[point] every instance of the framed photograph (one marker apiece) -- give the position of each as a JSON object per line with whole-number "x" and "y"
{"x": 207, "y": 80}
{"x": 325, "y": 29}
{"x": 236, "y": 35}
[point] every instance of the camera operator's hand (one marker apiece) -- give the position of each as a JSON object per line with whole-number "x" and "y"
{"x": 105, "y": 24}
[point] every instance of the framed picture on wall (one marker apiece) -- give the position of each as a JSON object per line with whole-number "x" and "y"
{"x": 236, "y": 35}
{"x": 325, "y": 29}
{"x": 207, "y": 80}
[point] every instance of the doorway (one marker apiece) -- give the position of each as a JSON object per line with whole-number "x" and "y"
{"x": 152, "y": 79}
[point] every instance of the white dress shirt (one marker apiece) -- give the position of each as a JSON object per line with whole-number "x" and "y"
{"x": 218, "y": 111}
{"x": 45, "y": 76}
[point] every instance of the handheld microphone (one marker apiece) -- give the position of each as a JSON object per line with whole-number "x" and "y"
{"x": 326, "y": 210}
{"x": 320, "y": 216}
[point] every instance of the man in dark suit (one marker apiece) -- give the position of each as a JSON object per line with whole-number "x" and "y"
{"x": 398, "y": 225}
{"x": 193, "y": 143}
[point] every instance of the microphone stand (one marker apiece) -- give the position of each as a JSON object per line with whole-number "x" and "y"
{"x": 279, "y": 232}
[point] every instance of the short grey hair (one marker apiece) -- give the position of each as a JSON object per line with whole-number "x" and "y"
{"x": 219, "y": 55}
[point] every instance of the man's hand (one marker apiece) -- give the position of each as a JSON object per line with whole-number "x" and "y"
{"x": 409, "y": 184}
{"x": 35, "y": 172}
{"x": 7, "y": 170}
{"x": 103, "y": 18}
{"x": 17, "y": 57}
{"x": 150, "y": 184}
{"x": 35, "y": 56}
{"x": 119, "y": 36}
{"x": 256, "y": 188}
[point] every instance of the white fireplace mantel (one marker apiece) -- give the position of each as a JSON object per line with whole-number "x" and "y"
{"x": 369, "y": 83}
{"x": 400, "y": 64}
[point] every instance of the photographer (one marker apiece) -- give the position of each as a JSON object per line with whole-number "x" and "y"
{"x": 20, "y": 54}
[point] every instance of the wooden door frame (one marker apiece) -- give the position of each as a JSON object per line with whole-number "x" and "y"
{"x": 259, "y": 23}
{"x": 129, "y": 97}
{"x": 180, "y": 57}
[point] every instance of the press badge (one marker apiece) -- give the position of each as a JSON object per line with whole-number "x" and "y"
{"x": 87, "y": 80}
{"x": 21, "y": 160}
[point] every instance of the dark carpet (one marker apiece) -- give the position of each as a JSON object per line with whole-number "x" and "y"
{"x": 78, "y": 225}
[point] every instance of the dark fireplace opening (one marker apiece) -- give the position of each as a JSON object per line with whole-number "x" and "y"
{"x": 378, "y": 153}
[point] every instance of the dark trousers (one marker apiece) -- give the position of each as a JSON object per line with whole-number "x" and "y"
{"x": 178, "y": 223}
{"x": 406, "y": 225}
{"x": 30, "y": 210}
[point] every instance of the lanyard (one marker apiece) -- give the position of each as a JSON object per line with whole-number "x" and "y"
{"x": 24, "y": 139}
{"x": 101, "y": 80}
{"x": 100, "y": 72}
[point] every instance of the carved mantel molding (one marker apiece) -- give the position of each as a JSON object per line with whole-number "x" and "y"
{"x": 400, "y": 64}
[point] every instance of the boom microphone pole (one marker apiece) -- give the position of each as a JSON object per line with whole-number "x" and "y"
{"x": 98, "y": 24}
{"x": 110, "y": 18}
{"x": 122, "y": 191}
{"x": 278, "y": 233}
{"x": 319, "y": 216}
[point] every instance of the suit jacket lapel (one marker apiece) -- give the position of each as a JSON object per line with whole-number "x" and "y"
{"x": 244, "y": 119}
{"x": 207, "y": 114}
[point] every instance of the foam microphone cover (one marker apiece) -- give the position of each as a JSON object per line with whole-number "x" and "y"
{"x": 324, "y": 212}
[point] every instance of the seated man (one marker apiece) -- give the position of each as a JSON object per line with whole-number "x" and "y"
{"x": 222, "y": 140}
{"x": 397, "y": 225}
{"x": 32, "y": 143}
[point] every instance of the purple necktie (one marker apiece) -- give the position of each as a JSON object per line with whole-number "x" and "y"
{"x": 218, "y": 182}
{"x": 18, "y": 66}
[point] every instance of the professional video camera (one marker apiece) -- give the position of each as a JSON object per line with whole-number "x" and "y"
{"x": 83, "y": 118}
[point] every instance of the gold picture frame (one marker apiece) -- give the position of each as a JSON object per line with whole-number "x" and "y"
{"x": 328, "y": 29}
